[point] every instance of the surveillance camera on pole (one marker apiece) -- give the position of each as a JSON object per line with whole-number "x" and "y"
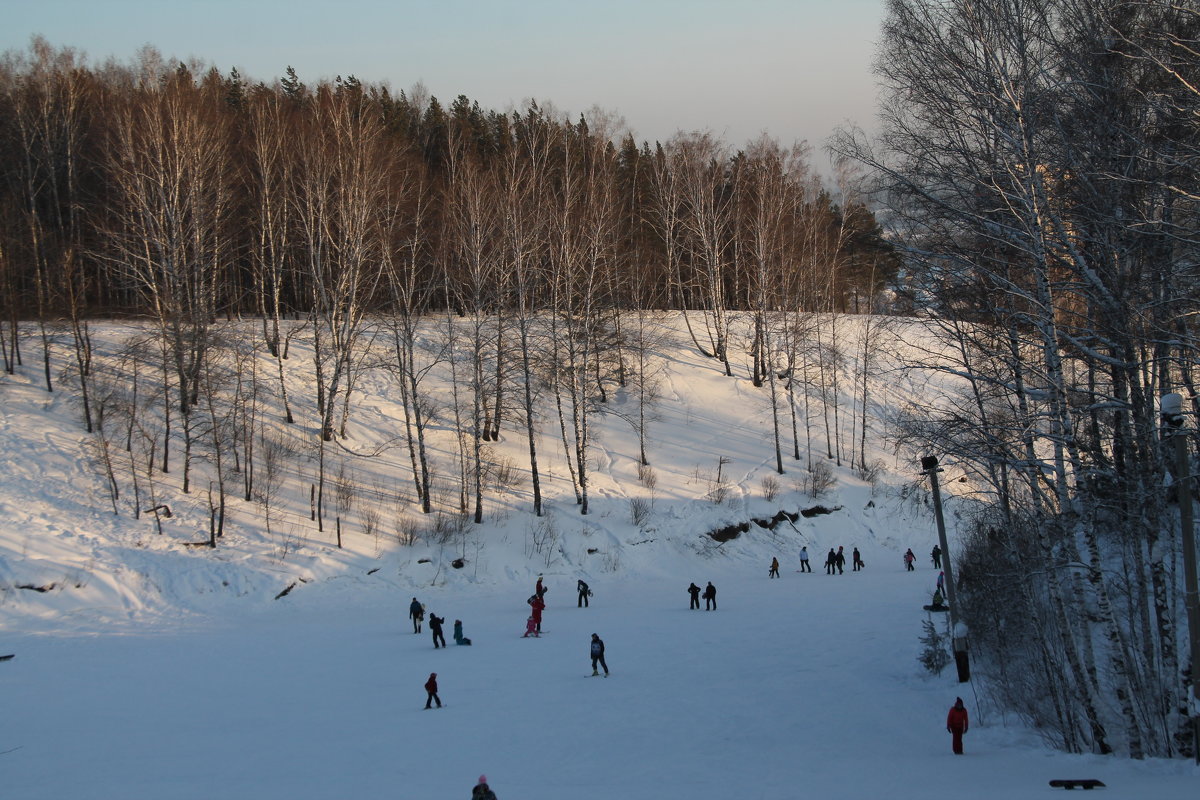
{"x": 929, "y": 466}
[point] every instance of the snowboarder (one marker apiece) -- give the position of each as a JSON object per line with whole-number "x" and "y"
{"x": 539, "y": 589}
{"x": 939, "y": 601}
{"x": 774, "y": 572}
{"x": 694, "y": 591}
{"x": 956, "y": 724}
{"x": 416, "y": 612}
{"x": 804, "y": 567}
{"x": 598, "y": 653}
{"x": 482, "y": 791}
{"x": 858, "y": 562}
{"x": 840, "y": 561}
{"x": 830, "y": 562}
{"x": 710, "y": 597}
{"x": 530, "y": 627}
{"x": 435, "y": 627}
{"x": 458, "y": 634}
{"x": 584, "y": 594}
{"x": 909, "y": 558}
{"x": 431, "y": 691}
{"x": 538, "y": 605}
{"x": 936, "y": 555}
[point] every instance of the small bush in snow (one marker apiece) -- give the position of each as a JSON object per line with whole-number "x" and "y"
{"x": 934, "y": 654}
{"x": 647, "y": 476}
{"x": 819, "y": 480}
{"x": 871, "y": 473}
{"x": 770, "y": 488}
{"x": 639, "y": 510}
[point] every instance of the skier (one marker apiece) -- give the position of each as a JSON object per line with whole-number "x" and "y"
{"x": 538, "y": 605}
{"x": 694, "y": 591}
{"x": 840, "y": 561}
{"x": 539, "y": 589}
{"x": 458, "y": 634}
{"x": 431, "y": 690}
{"x": 435, "y": 626}
{"x": 830, "y": 562}
{"x": 416, "y": 612}
{"x": 710, "y": 597}
{"x": 936, "y": 555}
{"x": 774, "y": 572}
{"x": 584, "y": 594}
{"x": 530, "y": 627}
{"x": 804, "y": 567}
{"x": 482, "y": 791}
{"x": 909, "y": 558}
{"x": 857, "y": 558}
{"x": 956, "y": 724}
{"x": 598, "y": 654}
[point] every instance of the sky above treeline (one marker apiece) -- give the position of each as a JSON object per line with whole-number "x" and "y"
{"x": 795, "y": 69}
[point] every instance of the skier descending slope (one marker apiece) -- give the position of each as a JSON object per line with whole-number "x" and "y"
{"x": 597, "y": 651}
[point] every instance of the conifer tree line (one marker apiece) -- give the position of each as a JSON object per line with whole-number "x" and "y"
{"x": 159, "y": 187}
{"x": 1041, "y": 159}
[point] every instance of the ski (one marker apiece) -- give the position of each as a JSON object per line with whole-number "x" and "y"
{"x": 8, "y": 657}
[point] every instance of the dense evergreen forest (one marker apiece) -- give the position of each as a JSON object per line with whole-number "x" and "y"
{"x": 1038, "y": 164}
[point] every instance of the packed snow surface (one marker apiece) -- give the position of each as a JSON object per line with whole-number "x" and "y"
{"x": 153, "y": 669}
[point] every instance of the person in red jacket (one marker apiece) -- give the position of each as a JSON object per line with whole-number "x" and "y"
{"x": 956, "y": 724}
{"x": 537, "y": 604}
{"x": 431, "y": 690}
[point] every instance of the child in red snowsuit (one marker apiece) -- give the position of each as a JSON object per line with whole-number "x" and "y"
{"x": 530, "y": 627}
{"x": 431, "y": 690}
{"x": 956, "y": 724}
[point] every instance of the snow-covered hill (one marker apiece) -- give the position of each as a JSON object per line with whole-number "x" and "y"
{"x": 150, "y": 667}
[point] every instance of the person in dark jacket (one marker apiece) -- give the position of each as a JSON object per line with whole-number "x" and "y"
{"x": 956, "y": 724}
{"x": 597, "y": 651}
{"x": 482, "y": 791}
{"x": 909, "y": 558}
{"x": 840, "y": 561}
{"x": 431, "y": 691}
{"x": 584, "y": 594}
{"x": 435, "y": 626}
{"x": 774, "y": 571}
{"x": 416, "y": 612}
{"x": 710, "y": 597}
{"x": 458, "y": 634}
{"x": 694, "y": 591}
{"x": 856, "y": 557}
{"x": 936, "y": 555}
{"x": 830, "y": 562}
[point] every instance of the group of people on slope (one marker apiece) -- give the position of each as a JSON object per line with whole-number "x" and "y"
{"x": 710, "y": 597}
{"x": 835, "y": 562}
{"x": 416, "y": 612}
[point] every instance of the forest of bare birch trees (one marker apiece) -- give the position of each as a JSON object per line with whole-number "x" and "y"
{"x": 1036, "y": 163}
{"x": 1040, "y": 161}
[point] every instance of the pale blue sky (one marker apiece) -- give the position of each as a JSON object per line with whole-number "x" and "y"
{"x": 794, "y": 68}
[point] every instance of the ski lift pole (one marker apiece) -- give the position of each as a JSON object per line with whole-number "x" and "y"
{"x": 1171, "y": 409}
{"x": 929, "y": 466}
